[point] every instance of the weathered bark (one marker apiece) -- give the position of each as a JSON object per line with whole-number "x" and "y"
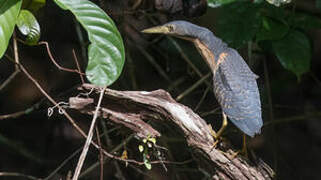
{"x": 132, "y": 108}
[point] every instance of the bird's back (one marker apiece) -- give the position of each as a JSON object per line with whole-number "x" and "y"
{"x": 236, "y": 90}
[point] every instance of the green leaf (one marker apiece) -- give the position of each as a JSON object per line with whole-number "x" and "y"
{"x": 153, "y": 140}
{"x": 148, "y": 165}
{"x": 141, "y": 148}
{"x": 274, "y": 12}
{"x": 294, "y": 52}
{"x": 238, "y": 23}
{"x": 218, "y": 3}
{"x": 146, "y": 161}
{"x": 106, "y": 54}
{"x": 33, "y": 5}
{"x": 28, "y": 26}
{"x": 9, "y": 11}
{"x": 271, "y": 29}
{"x": 305, "y": 21}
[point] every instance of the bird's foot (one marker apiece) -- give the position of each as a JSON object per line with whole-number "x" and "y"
{"x": 243, "y": 151}
{"x": 215, "y": 136}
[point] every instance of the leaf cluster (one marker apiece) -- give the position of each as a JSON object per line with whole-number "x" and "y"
{"x": 281, "y": 31}
{"x": 106, "y": 53}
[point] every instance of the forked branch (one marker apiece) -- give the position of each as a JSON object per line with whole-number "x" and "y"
{"x": 133, "y": 108}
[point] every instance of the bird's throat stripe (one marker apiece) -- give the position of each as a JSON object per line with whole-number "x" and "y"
{"x": 206, "y": 53}
{"x": 221, "y": 58}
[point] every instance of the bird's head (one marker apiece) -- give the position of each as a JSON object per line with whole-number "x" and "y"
{"x": 180, "y": 29}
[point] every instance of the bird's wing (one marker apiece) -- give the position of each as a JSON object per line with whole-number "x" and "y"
{"x": 236, "y": 89}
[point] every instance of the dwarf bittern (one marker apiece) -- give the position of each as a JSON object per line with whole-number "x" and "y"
{"x": 234, "y": 83}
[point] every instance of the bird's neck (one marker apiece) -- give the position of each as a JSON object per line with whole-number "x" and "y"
{"x": 215, "y": 44}
{"x": 206, "y": 53}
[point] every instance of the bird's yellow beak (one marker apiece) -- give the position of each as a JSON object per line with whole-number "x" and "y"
{"x": 157, "y": 30}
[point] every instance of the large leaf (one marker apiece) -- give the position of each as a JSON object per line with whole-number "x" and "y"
{"x": 238, "y": 23}
{"x": 106, "y": 54}
{"x": 294, "y": 52}
{"x": 9, "y": 11}
{"x": 305, "y": 21}
{"x": 33, "y": 5}
{"x": 28, "y": 26}
{"x": 271, "y": 29}
{"x": 274, "y": 12}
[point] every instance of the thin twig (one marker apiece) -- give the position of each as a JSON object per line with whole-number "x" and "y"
{"x": 13, "y": 115}
{"x": 9, "y": 79}
{"x": 291, "y": 119}
{"x": 136, "y": 4}
{"x": 14, "y": 174}
{"x": 19, "y": 148}
{"x": 131, "y": 71}
{"x": 271, "y": 115}
{"x": 176, "y": 83}
{"x": 154, "y": 63}
{"x": 194, "y": 86}
{"x": 78, "y": 66}
{"x": 315, "y": 78}
{"x": 101, "y": 155}
{"x": 62, "y": 164}
{"x": 185, "y": 57}
{"x": 15, "y": 50}
{"x": 109, "y": 144}
{"x": 210, "y": 112}
{"x": 73, "y": 155}
{"x": 17, "y": 70}
{"x": 89, "y": 137}
{"x": 188, "y": 61}
{"x": 20, "y": 113}
{"x": 95, "y": 165}
{"x": 55, "y": 62}
{"x": 202, "y": 99}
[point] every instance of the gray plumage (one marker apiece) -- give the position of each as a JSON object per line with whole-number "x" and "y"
{"x": 235, "y": 84}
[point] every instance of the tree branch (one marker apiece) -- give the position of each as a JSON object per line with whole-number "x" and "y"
{"x": 133, "y": 108}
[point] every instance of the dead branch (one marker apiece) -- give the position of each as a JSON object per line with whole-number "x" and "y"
{"x": 133, "y": 108}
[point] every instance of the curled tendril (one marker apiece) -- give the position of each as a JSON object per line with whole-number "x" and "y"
{"x": 61, "y": 111}
{"x": 50, "y": 112}
{"x": 86, "y": 94}
{"x": 61, "y": 106}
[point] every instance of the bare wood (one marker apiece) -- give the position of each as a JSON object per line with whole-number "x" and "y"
{"x": 133, "y": 108}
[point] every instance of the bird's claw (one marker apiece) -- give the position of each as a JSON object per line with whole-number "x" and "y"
{"x": 240, "y": 152}
{"x": 216, "y": 138}
{"x": 243, "y": 151}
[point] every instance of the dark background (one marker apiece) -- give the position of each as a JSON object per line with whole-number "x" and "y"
{"x": 36, "y": 144}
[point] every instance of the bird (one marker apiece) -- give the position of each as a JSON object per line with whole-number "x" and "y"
{"x": 234, "y": 84}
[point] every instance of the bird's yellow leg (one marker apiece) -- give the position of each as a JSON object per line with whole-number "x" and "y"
{"x": 220, "y": 131}
{"x": 224, "y": 124}
{"x": 213, "y": 133}
{"x": 243, "y": 150}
